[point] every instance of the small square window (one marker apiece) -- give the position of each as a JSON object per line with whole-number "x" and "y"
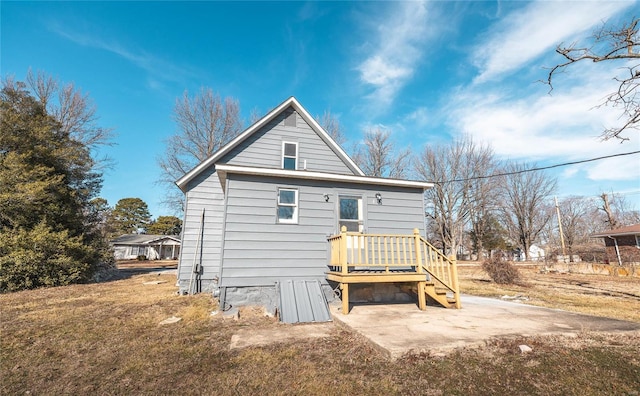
{"x": 289, "y": 155}
{"x": 287, "y": 206}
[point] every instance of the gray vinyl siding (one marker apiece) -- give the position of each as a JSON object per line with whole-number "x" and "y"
{"x": 258, "y": 251}
{"x": 264, "y": 148}
{"x": 205, "y": 192}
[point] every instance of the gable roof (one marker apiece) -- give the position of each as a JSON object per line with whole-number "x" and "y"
{"x": 291, "y": 102}
{"x": 141, "y": 239}
{"x": 628, "y": 230}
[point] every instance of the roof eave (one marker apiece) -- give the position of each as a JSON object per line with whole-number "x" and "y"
{"x": 223, "y": 169}
{"x": 610, "y": 235}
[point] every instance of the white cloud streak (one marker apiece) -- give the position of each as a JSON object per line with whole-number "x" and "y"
{"x": 397, "y": 51}
{"x": 157, "y": 68}
{"x": 525, "y": 35}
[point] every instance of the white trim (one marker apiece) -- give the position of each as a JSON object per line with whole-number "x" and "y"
{"x": 248, "y": 170}
{"x": 360, "y": 206}
{"x": 294, "y": 205}
{"x": 182, "y": 182}
{"x": 163, "y": 237}
{"x": 328, "y": 139}
{"x": 295, "y": 157}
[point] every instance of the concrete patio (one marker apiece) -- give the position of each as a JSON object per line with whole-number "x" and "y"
{"x": 396, "y": 329}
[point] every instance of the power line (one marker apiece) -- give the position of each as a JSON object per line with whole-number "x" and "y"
{"x": 538, "y": 168}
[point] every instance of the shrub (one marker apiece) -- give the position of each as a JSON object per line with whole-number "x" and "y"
{"x": 43, "y": 257}
{"x": 141, "y": 257}
{"x": 503, "y": 272}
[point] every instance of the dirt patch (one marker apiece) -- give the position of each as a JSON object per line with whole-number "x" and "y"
{"x": 146, "y": 264}
{"x": 281, "y": 334}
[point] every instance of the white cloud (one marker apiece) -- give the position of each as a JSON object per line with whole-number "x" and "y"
{"x": 618, "y": 168}
{"x": 420, "y": 117}
{"x": 556, "y": 128}
{"x": 397, "y": 51}
{"x": 536, "y": 29}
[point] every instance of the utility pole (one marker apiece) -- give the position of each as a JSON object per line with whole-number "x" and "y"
{"x": 560, "y": 229}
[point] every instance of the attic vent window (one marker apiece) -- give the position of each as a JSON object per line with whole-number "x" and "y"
{"x": 289, "y": 155}
{"x": 290, "y": 120}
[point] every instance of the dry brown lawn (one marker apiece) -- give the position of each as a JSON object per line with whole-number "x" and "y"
{"x": 106, "y": 339}
{"x": 601, "y": 295}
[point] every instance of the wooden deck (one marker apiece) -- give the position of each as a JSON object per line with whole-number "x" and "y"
{"x": 376, "y": 276}
{"x": 372, "y": 258}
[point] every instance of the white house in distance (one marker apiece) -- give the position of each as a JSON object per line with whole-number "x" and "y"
{"x": 259, "y": 211}
{"x": 153, "y": 247}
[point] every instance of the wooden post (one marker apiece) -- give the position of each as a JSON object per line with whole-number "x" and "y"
{"x": 343, "y": 250}
{"x": 345, "y": 298}
{"x": 422, "y": 296}
{"x": 454, "y": 280}
{"x": 418, "y": 249}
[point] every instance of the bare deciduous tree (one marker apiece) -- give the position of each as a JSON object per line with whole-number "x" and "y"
{"x": 483, "y": 193}
{"x": 205, "y": 123}
{"x": 74, "y": 110}
{"x": 525, "y": 207}
{"x": 617, "y": 211}
{"x": 458, "y": 192}
{"x": 606, "y": 208}
{"x": 617, "y": 44}
{"x": 332, "y": 126}
{"x": 575, "y": 216}
{"x": 377, "y": 156}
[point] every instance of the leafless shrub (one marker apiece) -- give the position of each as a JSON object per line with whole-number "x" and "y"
{"x": 502, "y": 272}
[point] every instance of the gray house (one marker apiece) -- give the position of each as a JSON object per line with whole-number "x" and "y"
{"x": 260, "y": 211}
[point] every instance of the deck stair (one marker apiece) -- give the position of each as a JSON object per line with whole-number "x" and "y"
{"x": 376, "y": 258}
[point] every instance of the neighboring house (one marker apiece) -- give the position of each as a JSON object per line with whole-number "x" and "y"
{"x": 153, "y": 247}
{"x": 622, "y": 245}
{"x": 259, "y": 211}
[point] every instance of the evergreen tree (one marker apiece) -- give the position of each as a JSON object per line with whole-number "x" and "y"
{"x": 166, "y": 225}
{"x": 47, "y": 179}
{"x": 130, "y": 215}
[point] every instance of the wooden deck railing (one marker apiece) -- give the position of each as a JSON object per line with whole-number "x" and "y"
{"x": 355, "y": 251}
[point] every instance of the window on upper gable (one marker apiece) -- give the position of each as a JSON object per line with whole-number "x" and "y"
{"x": 289, "y": 155}
{"x": 287, "y": 206}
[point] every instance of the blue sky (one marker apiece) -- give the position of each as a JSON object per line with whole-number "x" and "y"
{"x": 426, "y": 71}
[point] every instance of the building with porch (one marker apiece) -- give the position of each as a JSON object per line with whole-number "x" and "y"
{"x": 281, "y": 214}
{"x": 152, "y": 247}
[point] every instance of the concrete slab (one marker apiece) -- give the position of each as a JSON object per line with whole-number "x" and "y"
{"x": 400, "y": 328}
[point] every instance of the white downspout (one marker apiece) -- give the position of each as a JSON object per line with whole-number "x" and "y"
{"x": 615, "y": 243}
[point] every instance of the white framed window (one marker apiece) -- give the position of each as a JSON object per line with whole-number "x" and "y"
{"x": 287, "y": 206}
{"x": 289, "y": 155}
{"x": 138, "y": 250}
{"x": 350, "y": 210}
{"x": 638, "y": 241}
